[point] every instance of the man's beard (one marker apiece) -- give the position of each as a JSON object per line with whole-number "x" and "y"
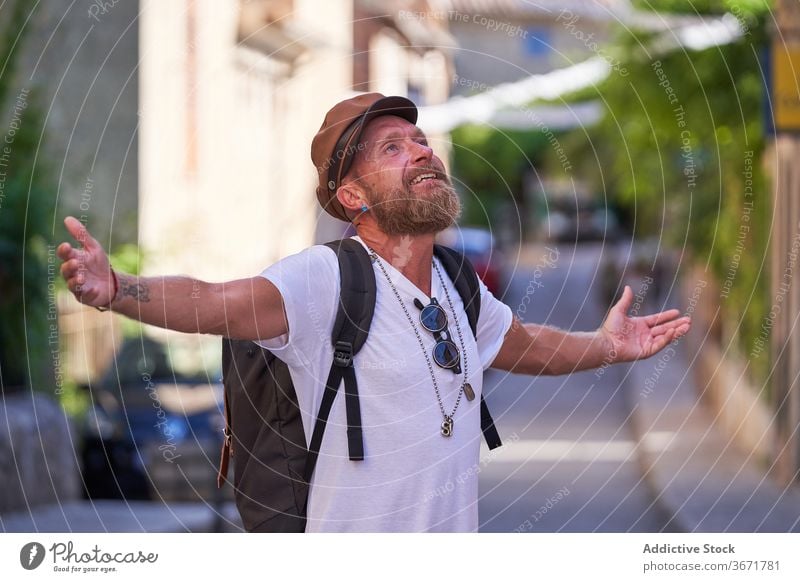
{"x": 401, "y": 211}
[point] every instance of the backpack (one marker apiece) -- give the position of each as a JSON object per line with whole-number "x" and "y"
{"x": 273, "y": 465}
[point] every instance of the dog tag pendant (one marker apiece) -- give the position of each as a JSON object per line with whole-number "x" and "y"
{"x": 447, "y": 427}
{"x": 469, "y": 392}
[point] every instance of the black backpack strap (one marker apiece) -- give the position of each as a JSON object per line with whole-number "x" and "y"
{"x": 488, "y": 428}
{"x": 350, "y": 331}
{"x": 465, "y": 280}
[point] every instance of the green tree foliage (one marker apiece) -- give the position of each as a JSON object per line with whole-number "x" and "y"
{"x": 490, "y": 165}
{"x": 679, "y": 151}
{"x": 26, "y": 259}
{"x": 682, "y": 136}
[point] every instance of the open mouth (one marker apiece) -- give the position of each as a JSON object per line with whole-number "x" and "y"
{"x": 424, "y": 178}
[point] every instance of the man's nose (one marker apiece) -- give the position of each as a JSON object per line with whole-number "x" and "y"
{"x": 421, "y": 152}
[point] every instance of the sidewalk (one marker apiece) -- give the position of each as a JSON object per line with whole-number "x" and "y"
{"x": 123, "y": 517}
{"x": 696, "y": 475}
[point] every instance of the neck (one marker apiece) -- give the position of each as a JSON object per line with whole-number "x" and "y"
{"x": 409, "y": 254}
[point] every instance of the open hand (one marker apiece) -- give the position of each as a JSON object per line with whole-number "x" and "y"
{"x": 87, "y": 270}
{"x": 634, "y": 338}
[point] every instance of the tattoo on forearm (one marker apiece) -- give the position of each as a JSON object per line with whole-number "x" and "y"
{"x": 138, "y": 291}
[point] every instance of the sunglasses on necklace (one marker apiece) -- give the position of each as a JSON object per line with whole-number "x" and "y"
{"x": 434, "y": 318}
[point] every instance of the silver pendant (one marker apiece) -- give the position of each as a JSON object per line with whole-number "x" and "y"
{"x": 469, "y": 392}
{"x": 447, "y": 427}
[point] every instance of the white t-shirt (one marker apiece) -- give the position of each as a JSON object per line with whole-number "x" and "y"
{"x": 412, "y": 478}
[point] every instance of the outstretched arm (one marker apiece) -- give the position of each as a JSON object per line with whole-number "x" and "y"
{"x": 538, "y": 349}
{"x": 242, "y": 309}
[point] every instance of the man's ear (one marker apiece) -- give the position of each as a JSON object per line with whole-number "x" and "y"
{"x": 351, "y": 196}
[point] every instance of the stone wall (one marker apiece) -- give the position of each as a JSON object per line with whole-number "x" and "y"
{"x": 38, "y": 463}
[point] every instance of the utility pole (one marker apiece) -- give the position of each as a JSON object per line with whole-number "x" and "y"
{"x": 784, "y": 300}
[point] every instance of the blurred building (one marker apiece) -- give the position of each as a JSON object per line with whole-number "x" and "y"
{"x": 231, "y": 94}
{"x": 186, "y": 126}
{"x": 501, "y": 41}
{"x": 81, "y": 65}
{"x": 782, "y": 158}
{"x": 512, "y": 53}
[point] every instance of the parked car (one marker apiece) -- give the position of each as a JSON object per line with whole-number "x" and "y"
{"x": 150, "y": 433}
{"x": 582, "y": 220}
{"x": 478, "y": 245}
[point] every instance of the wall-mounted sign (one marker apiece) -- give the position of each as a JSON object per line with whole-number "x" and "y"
{"x": 786, "y": 86}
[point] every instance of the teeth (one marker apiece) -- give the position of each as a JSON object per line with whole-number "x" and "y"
{"x": 422, "y": 177}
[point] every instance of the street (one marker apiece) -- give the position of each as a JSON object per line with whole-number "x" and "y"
{"x": 568, "y": 463}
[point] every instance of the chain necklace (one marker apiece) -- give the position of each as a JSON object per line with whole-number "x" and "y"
{"x": 465, "y": 387}
{"x": 447, "y": 422}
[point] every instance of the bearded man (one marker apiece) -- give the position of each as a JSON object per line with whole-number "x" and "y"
{"x": 377, "y": 170}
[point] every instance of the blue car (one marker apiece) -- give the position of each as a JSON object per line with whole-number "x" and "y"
{"x": 147, "y": 429}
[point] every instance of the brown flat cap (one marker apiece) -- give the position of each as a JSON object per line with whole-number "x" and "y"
{"x": 336, "y": 142}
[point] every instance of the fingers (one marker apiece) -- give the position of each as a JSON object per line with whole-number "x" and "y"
{"x": 624, "y": 304}
{"x": 74, "y": 278}
{"x": 69, "y": 269}
{"x": 75, "y": 285}
{"x": 674, "y": 324}
{"x": 661, "y": 342}
{"x": 73, "y": 274}
{"x": 683, "y": 329}
{"x": 670, "y": 333}
{"x": 662, "y": 317}
{"x": 86, "y": 270}
{"x": 76, "y": 282}
{"x": 65, "y": 252}
{"x": 80, "y": 233}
